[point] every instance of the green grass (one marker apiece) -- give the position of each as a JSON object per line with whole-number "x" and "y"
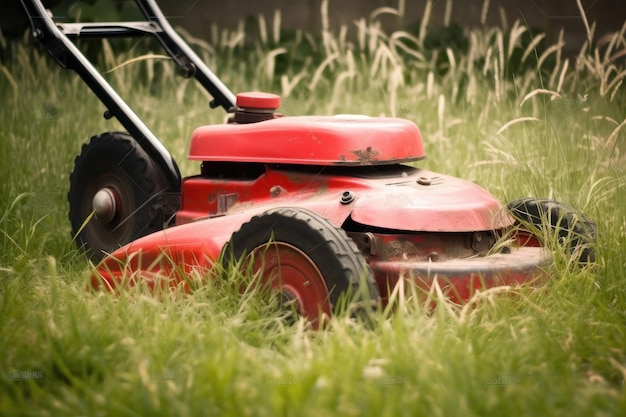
{"x": 556, "y": 130}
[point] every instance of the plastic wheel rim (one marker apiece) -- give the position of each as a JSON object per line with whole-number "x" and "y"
{"x": 286, "y": 268}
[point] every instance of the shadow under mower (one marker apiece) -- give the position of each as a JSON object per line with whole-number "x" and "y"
{"x": 320, "y": 207}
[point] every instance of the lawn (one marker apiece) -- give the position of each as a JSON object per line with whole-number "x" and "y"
{"x": 507, "y": 111}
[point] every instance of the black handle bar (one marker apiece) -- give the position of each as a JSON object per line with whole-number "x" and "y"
{"x": 57, "y": 40}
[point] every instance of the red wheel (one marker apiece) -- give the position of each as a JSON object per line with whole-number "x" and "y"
{"x": 306, "y": 259}
{"x": 287, "y": 269}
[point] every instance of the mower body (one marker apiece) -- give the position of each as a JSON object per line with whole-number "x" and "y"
{"x": 349, "y": 182}
{"x": 352, "y": 170}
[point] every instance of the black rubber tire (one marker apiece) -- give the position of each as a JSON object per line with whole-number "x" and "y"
{"x": 114, "y": 160}
{"x": 572, "y": 227}
{"x": 337, "y": 257}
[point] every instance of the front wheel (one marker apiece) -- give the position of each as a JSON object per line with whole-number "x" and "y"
{"x": 305, "y": 258}
{"x": 572, "y": 228}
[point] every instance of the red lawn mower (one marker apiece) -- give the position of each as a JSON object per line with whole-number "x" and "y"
{"x": 318, "y": 206}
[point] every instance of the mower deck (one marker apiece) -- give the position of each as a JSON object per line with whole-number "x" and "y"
{"x": 409, "y": 223}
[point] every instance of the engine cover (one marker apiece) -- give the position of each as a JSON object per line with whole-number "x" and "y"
{"x": 311, "y": 140}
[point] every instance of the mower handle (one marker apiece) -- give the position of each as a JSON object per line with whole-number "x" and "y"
{"x": 57, "y": 40}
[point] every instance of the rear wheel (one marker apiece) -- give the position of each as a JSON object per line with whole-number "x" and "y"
{"x": 306, "y": 259}
{"x": 115, "y": 194}
{"x": 572, "y": 228}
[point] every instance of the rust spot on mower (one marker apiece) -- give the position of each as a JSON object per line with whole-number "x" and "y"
{"x": 366, "y": 155}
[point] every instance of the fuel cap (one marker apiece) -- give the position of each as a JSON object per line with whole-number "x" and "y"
{"x": 258, "y": 101}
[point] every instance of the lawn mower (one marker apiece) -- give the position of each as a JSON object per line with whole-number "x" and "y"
{"x": 316, "y": 206}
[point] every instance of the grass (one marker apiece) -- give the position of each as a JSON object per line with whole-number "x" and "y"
{"x": 555, "y": 130}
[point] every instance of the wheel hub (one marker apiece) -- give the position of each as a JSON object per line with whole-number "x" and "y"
{"x": 105, "y": 204}
{"x": 295, "y": 276}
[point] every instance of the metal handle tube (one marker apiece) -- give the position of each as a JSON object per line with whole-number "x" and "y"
{"x": 183, "y": 55}
{"x": 61, "y": 48}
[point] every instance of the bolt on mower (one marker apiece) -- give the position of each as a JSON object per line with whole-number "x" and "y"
{"x": 317, "y": 206}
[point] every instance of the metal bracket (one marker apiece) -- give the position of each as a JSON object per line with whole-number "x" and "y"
{"x": 366, "y": 242}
